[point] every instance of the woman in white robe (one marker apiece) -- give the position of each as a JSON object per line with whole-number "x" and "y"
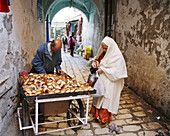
{"x": 112, "y": 70}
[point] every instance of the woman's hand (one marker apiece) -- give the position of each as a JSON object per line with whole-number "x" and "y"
{"x": 99, "y": 71}
{"x": 59, "y": 71}
{"x": 94, "y": 65}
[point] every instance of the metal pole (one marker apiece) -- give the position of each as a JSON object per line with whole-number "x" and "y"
{"x": 36, "y": 115}
{"x": 19, "y": 118}
{"x": 87, "y": 109}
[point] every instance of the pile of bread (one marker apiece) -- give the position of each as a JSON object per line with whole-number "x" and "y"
{"x": 43, "y": 84}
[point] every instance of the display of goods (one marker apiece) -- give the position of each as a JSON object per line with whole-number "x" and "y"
{"x": 43, "y": 84}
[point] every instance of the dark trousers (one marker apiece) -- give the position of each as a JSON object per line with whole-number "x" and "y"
{"x": 72, "y": 51}
{"x": 64, "y": 46}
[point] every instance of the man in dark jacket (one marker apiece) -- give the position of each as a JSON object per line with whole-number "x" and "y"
{"x": 48, "y": 58}
{"x": 64, "y": 43}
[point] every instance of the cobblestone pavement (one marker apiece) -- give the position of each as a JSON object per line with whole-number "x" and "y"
{"x": 133, "y": 117}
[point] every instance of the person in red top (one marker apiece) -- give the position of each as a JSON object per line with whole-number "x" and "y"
{"x": 71, "y": 45}
{"x": 112, "y": 70}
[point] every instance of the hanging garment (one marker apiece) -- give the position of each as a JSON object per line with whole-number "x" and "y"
{"x": 4, "y": 6}
{"x": 73, "y": 27}
{"x": 80, "y": 26}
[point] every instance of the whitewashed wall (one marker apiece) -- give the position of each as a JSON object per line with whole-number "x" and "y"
{"x": 20, "y": 35}
{"x": 93, "y": 30}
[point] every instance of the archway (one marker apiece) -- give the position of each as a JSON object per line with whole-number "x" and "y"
{"x": 92, "y": 9}
{"x": 50, "y": 8}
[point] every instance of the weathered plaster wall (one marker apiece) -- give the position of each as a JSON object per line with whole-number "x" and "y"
{"x": 93, "y": 30}
{"x": 143, "y": 34}
{"x": 20, "y": 35}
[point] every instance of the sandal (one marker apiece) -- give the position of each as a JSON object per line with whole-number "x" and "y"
{"x": 102, "y": 125}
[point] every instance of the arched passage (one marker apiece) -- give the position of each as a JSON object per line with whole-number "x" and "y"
{"x": 91, "y": 9}
{"x": 87, "y": 7}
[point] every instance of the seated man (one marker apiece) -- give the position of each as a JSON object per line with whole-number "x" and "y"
{"x": 48, "y": 58}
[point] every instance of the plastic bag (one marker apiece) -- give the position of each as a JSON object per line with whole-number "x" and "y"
{"x": 92, "y": 79}
{"x": 99, "y": 87}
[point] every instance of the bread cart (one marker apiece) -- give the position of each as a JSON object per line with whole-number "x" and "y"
{"x": 68, "y": 102}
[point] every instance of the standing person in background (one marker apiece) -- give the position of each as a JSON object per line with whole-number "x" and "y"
{"x": 112, "y": 71}
{"x": 48, "y": 58}
{"x": 65, "y": 42}
{"x": 71, "y": 45}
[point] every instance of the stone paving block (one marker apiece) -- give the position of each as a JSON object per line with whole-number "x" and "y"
{"x": 54, "y": 126}
{"x": 86, "y": 126}
{"x": 121, "y": 98}
{"x": 128, "y": 105}
{"x": 127, "y": 90}
{"x": 118, "y": 122}
{"x": 55, "y": 118}
{"x": 134, "y": 121}
{"x": 95, "y": 125}
{"x": 123, "y": 116}
{"x": 112, "y": 117}
{"x": 137, "y": 108}
{"x": 152, "y": 125}
{"x": 165, "y": 132}
{"x": 63, "y": 125}
{"x": 139, "y": 114}
{"x": 146, "y": 119}
{"x": 139, "y": 104}
{"x": 131, "y": 128}
{"x": 124, "y": 111}
{"x": 51, "y": 125}
{"x": 147, "y": 133}
{"x": 58, "y": 133}
{"x": 40, "y": 129}
{"x": 127, "y": 134}
{"x": 102, "y": 131}
{"x": 62, "y": 114}
{"x": 122, "y": 102}
{"x": 70, "y": 132}
{"x": 130, "y": 101}
{"x": 125, "y": 94}
{"x": 126, "y": 98}
{"x": 84, "y": 132}
{"x": 120, "y": 107}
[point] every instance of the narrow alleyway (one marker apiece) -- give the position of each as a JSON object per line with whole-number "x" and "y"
{"x": 139, "y": 28}
{"x": 133, "y": 117}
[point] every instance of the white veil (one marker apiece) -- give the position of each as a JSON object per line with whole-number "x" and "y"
{"x": 113, "y": 63}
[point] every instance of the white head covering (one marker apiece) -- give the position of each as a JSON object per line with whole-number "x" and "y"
{"x": 113, "y": 63}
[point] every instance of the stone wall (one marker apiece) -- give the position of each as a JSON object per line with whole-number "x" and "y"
{"x": 20, "y": 35}
{"x": 93, "y": 29}
{"x": 142, "y": 33}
